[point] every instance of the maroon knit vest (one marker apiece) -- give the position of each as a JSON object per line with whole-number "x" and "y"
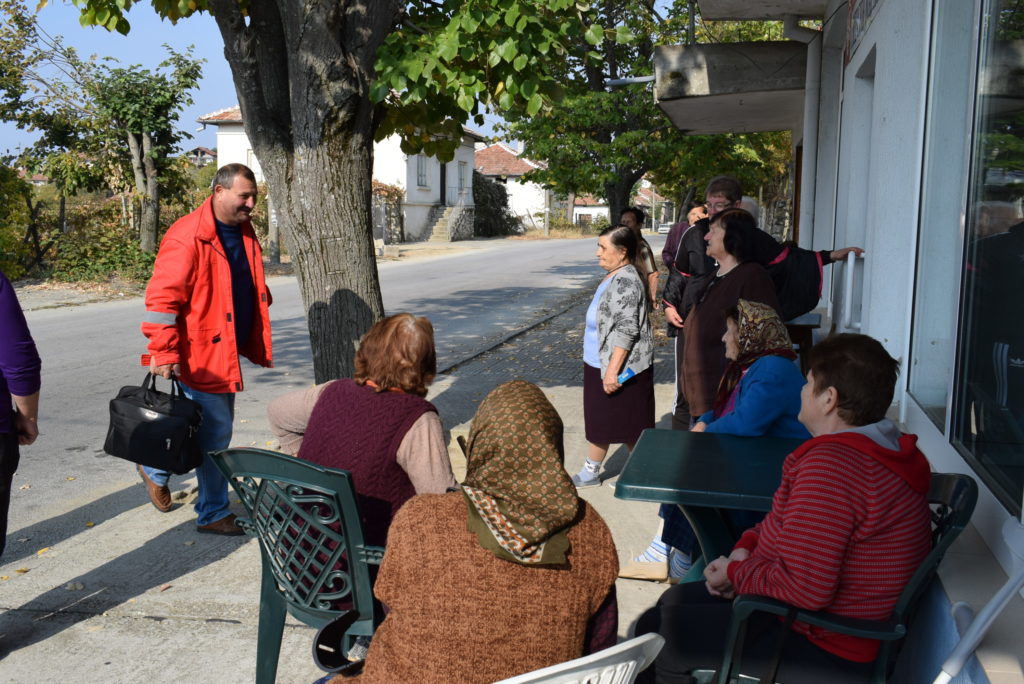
{"x": 355, "y": 428}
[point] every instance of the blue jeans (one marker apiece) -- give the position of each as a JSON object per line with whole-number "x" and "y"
{"x": 214, "y": 435}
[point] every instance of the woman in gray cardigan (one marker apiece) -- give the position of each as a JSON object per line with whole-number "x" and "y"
{"x": 618, "y": 350}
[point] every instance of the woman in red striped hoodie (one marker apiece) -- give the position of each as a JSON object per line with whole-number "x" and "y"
{"x": 849, "y": 524}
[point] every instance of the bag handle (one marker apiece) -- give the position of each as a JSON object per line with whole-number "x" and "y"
{"x": 177, "y": 392}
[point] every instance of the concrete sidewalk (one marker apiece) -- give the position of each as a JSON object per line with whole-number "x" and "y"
{"x": 138, "y": 596}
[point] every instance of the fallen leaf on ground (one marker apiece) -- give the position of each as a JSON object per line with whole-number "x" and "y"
{"x": 189, "y": 543}
{"x": 25, "y": 486}
{"x": 243, "y": 420}
{"x": 43, "y": 550}
{"x": 69, "y": 478}
{"x": 89, "y": 524}
{"x": 165, "y": 587}
{"x": 74, "y": 586}
{"x": 21, "y": 571}
{"x": 5, "y": 577}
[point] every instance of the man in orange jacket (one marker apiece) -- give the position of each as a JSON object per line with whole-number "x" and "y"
{"x": 207, "y": 304}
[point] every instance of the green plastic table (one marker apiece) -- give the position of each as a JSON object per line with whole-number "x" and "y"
{"x": 703, "y": 473}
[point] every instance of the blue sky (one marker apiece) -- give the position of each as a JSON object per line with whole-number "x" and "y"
{"x": 142, "y": 46}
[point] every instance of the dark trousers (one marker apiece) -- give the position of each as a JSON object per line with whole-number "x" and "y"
{"x": 696, "y": 624}
{"x": 8, "y": 465}
{"x": 681, "y": 408}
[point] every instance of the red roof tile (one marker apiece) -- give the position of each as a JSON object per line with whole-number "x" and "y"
{"x": 227, "y": 115}
{"x": 500, "y": 160}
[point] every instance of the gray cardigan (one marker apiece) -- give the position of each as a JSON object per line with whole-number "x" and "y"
{"x": 622, "y": 321}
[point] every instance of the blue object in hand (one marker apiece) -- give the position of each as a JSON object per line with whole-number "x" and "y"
{"x": 625, "y": 375}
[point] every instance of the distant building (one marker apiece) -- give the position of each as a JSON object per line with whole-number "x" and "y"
{"x": 502, "y": 164}
{"x": 587, "y": 208}
{"x": 201, "y": 156}
{"x": 438, "y": 200}
{"x": 36, "y": 179}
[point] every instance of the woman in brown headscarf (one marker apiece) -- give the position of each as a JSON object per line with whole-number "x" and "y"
{"x": 509, "y": 574}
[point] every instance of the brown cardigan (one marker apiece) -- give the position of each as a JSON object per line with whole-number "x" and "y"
{"x": 703, "y": 350}
{"x": 457, "y": 613}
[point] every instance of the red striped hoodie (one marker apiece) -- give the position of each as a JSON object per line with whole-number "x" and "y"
{"x": 848, "y": 527}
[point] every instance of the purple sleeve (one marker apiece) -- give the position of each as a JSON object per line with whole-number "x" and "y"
{"x": 603, "y": 626}
{"x": 668, "y": 253}
{"x": 19, "y": 360}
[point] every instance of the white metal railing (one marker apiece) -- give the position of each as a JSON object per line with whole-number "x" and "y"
{"x": 848, "y": 275}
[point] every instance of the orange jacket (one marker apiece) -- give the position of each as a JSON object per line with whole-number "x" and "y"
{"x": 189, "y": 310}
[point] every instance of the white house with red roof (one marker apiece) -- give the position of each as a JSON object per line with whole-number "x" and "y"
{"x": 438, "y": 201}
{"x": 528, "y": 201}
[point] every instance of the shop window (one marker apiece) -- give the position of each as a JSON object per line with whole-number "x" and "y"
{"x": 943, "y": 197}
{"x": 988, "y": 402}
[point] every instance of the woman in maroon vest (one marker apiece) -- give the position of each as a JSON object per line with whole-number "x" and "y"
{"x": 377, "y": 425}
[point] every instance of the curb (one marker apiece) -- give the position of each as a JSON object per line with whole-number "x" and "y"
{"x": 571, "y": 301}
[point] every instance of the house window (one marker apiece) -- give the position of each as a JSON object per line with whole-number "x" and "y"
{"x": 462, "y": 176}
{"x": 421, "y": 171}
{"x": 988, "y": 409}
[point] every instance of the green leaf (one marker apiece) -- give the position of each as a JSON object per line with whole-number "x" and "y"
{"x": 534, "y": 104}
{"x": 469, "y": 23}
{"x": 512, "y": 15}
{"x": 623, "y": 35}
{"x": 508, "y": 50}
{"x": 413, "y": 68}
{"x": 448, "y": 48}
{"x": 520, "y": 63}
{"x": 594, "y": 34}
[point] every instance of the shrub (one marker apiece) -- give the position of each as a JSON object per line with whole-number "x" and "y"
{"x": 97, "y": 247}
{"x": 14, "y": 220}
{"x": 492, "y": 216}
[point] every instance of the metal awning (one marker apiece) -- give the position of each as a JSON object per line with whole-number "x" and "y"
{"x": 731, "y": 87}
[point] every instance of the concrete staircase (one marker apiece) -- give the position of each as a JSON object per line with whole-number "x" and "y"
{"x": 440, "y": 221}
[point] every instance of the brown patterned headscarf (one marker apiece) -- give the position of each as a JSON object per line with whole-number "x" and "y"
{"x": 761, "y": 333}
{"x": 520, "y": 498}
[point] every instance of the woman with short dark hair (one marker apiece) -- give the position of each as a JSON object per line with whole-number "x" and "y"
{"x": 377, "y": 426}
{"x": 618, "y": 353}
{"x": 730, "y": 241}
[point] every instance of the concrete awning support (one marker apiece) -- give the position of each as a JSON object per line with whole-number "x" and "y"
{"x": 731, "y": 87}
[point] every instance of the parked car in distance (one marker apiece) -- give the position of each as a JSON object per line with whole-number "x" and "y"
{"x": 663, "y": 228}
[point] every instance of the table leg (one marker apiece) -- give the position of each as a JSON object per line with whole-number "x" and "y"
{"x": 713, "y": 534}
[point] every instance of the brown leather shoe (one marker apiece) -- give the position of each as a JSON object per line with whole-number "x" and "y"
{"x": 159, "y": 496}
{"x": 226, "y": 526}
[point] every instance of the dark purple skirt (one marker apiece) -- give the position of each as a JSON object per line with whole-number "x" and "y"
{"x": 617, "y": 418}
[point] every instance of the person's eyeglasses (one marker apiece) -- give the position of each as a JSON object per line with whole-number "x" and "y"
{"x": 719, "y": 206}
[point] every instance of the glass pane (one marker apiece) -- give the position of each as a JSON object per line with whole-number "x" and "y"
{"x": 940, "y": 255}
{"x": 989, "y": 418}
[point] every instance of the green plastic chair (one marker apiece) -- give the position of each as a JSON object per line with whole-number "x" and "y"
{"x": 306, "y": 519}
{"x": 952, "y": 497}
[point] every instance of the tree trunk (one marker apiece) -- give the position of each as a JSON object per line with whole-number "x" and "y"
{"x": 302, "y": 72}
{"x": 331, "y": 241}
{"x": 144, "y": 171}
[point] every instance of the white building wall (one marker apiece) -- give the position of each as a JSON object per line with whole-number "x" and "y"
{"x": 233, "y": 148}
{"x": 883, "y": 100}
{"x": 389, "y": 163}
{"x": 593, "y": 212}
{"x": 525, "y": 200}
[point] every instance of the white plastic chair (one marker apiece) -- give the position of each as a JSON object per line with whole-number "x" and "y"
{"x": 619, "y": 664}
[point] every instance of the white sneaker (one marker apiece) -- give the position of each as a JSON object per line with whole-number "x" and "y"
{"x": 585, "y": 478}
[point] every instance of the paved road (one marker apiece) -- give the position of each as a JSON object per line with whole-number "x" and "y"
{"x": 472, "y": 297}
